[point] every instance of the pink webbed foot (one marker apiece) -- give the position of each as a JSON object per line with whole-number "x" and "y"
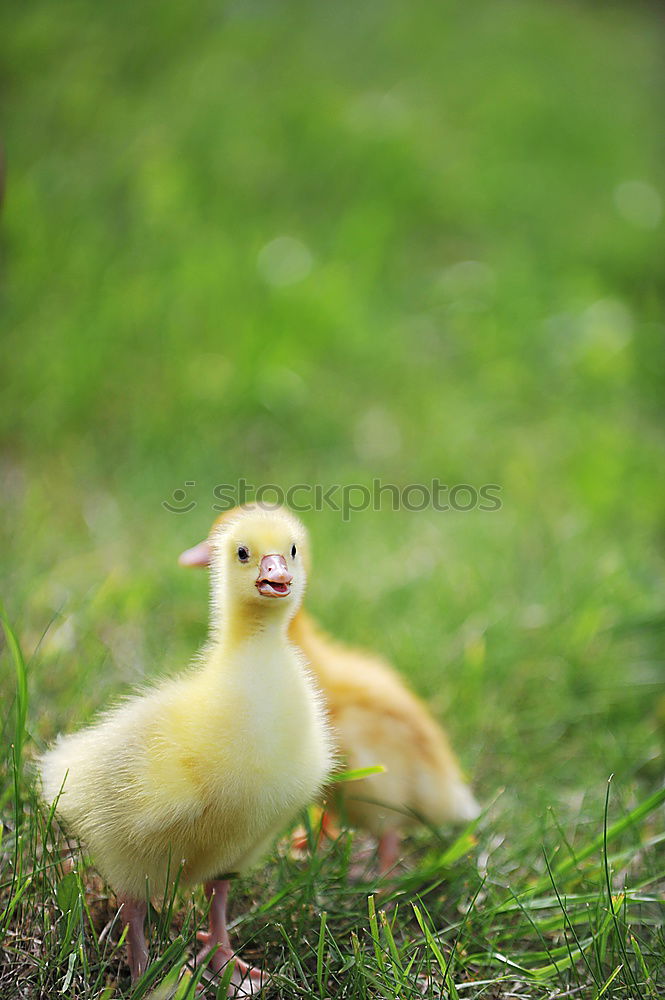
{"x": 245, "y": 980}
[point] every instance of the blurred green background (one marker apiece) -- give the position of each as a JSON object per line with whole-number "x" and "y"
{"x": 323, "y": 243}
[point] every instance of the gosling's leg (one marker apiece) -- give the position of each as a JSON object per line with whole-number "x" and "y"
{"x": 133, "y": 914}
{"x": 246, "y": 980}
{"x": 389, "y": 844}
{"x": 327, "y": 827}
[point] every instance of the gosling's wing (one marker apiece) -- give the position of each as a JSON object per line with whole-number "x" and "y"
{"x": 131, "y": 770}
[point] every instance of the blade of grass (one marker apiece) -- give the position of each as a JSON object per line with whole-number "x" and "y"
{"x": 21, "y": 687}
{"x": 227, "y": 976}
{"x": 319, "y": 953}
{"x": 444, "y": 966}
{"x": 374, "y": 933}
{"x": 643, "y": 965}
{"x": 173, "y": 954}
{"x": 388, "y": 934}
{"x": 357, "y": 774}
{"x": 568, "y": 922}
{"x": 608, "y": 982}
{"x": 21, "y": 708}
{"x": 608, "y": 883}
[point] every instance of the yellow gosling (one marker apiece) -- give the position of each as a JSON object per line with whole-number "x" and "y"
{"x": 202, "y": 772}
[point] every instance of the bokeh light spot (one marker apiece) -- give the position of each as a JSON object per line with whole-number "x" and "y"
{"x": 639, "y": 203}
{"x": 284, "y": 261}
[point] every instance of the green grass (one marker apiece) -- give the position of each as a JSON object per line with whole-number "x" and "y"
{"x": 154, "y": 152}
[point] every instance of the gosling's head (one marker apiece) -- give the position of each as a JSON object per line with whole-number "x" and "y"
{"x": 258, "y": 557}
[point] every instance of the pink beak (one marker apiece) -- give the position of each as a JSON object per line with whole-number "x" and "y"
{"x": 274, "y": 579}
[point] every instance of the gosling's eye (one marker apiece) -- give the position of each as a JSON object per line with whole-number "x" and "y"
{"x": 293, "y": 551}
{"x": 243, "y": 553}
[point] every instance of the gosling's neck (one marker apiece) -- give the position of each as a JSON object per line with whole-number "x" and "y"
{"x": 250, "y": 650}
{"x": 243, "y": 622}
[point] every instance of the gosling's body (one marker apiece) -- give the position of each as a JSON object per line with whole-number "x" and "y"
{"x": 203, "y": 771}
{"x": 376, "y": 719}
{"x": 192, "y": 779}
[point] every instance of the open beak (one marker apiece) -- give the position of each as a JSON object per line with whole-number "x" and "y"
{"x": 274, "y": 579}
